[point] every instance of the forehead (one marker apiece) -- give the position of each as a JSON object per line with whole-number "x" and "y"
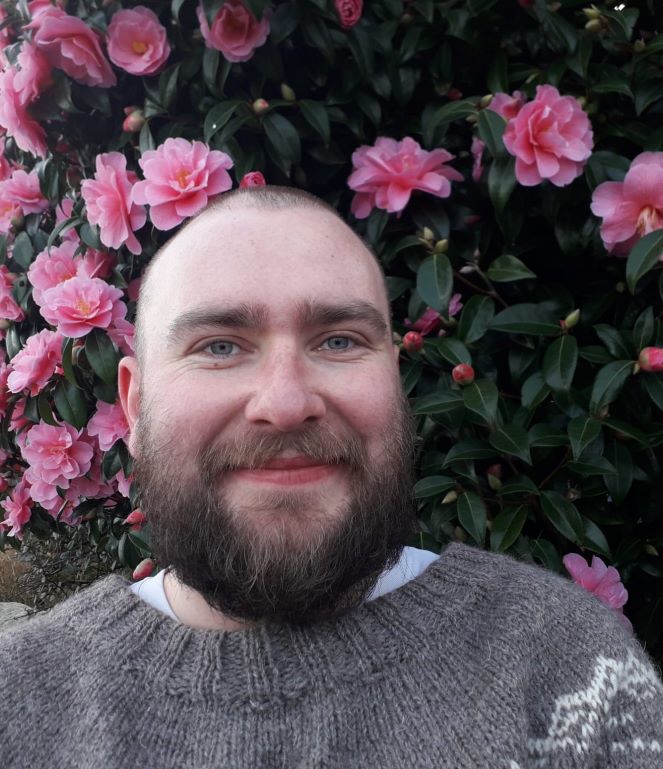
{"x": 278, "y": 258}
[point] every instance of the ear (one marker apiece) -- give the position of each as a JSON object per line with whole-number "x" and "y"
{"x": 128, "y": 385}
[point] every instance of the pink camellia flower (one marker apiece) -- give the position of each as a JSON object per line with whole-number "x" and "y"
{"x": 122, "y": 333}
{"x": 180, "y": 177}
{"x": 651, "y": 359}
{"x": 123, "y": 483}
{"x": 632, "y": 208}
{"x": 95, "y": 264}
{"x": 349, "y": 12}
{"x": 108, "y": 424}
{"x": 5, "y": 168}
{"x": 551, "y": 138}
{"x": 430, "y": 320}
{"x": 37, "y": 7}
{"x": 9, "y": 213}
{"x": 476, "y": 150}
{"x": 9, "y": 310}
{"x": 23, "y": 189}
{"x": 235, "y": 31}
{"x": 137, "y": 41}
{"x": 35, "y": 364}
{"x": 57, "y": 454}
{"x": 81, "y": 304}
{"x": 34, "y": 74}
{"x": 506, "y": 106}
{"x": 18, "y": 509}
{"x": 50, "y": 268}
{"x": 4, "y": 390}
{"x": 63, "y": 212}
{"x": 602, "y": 581}
{"x": 15, "y": 118}
{"x": 70, "y": 45}
{"x": 253, "y": 179}
{"x": 386, "y": 174}
{"x": 108, "y": 198}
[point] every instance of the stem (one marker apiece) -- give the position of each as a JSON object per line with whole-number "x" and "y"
{"x": 556, "y": 469}
{"x": 479, "y": 290}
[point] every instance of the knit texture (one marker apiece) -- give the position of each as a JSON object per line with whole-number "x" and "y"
{"x": 481, "y": 662}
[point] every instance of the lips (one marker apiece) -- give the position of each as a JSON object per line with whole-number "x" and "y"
{"x": 287, "y": 471}
{"x": 290, "y": 463}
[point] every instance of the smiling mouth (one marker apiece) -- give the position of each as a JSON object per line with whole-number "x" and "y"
{"x": 287, "y": 471}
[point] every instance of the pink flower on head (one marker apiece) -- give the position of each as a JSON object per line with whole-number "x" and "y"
{"x": 108, "y": 424}
{"x": 34, "y": 75}
{"x": 50, "y": 268}
{"x": 551, "y": 138}
{"x": 23, "y": 189}
{"x": 235, "y": 30}
{"x": 386, "y": 174}
{"x": 506, "y": 106}
{"x": 180, "y": 178}
{"x": 602, "y": 581}
{"x": 81, "y": 304}
{"x": 9, "y": 310}
{"x": 137, "y": 41}
{"x": 36, "y": 363}
{"x": 69, "y": 44}
{"x": 252, "y": 179}
{"x": 632, "y": 208}
{"x": 15, "y": 118}
{"x": 18, "y": 509}
{"x": 57, "y": 454}
{"x": 349, "y": 12}
{"x": 109, "y": 202}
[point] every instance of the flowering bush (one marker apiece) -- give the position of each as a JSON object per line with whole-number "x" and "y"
{"x": 502, "y": 159}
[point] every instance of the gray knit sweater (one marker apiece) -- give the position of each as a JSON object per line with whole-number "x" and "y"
{"x": 481, "y": 662}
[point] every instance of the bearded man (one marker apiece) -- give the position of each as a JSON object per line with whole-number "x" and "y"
{"x": 291, "y": 626}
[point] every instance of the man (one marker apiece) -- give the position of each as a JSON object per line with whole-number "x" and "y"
{"x": 273, "y": 452}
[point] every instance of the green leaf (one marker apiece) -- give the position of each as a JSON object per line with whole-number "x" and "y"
{"x": 613, "y": 340}
{"x": 591, "y": 466}
{"x": 534, "y": 391}
{"x": 411, "y": 371}
{"x": 433, "y": 485}
{"x": 89, "y": 234}
{"x": 475, "y": 318}
{"x": 440, "y": 402}
{"x": 23, "y": 250}
{"x": 396, "y": 286}
{"x": 537, "y": 319}
{"x": 70, "y": 404}
{"x": 284, "y": 138}
{"x": 218, "y": 116}
{"x": 481, "y": 397}
{"x": 168, "y": 86}
{"x": 563, "y": 515}
{"x": 101, "y": 355}
{"x": 644, "y": 255}
{"x": 507, "y": 268}
{"x": 491, "y": 129}
{"x": 506, "y": 528}
{"x": 501, "y": 182}
{"x": 608, "y": 383}
{"x": 511, "y": 439}
{"x": 44, "y": 409}
{"x": 67, "y": 363}
{"x": 472, "y": 516}
{"x": 468, "y": 450}
{"x": 449, "y": 113}
{"x": 619, "y": 483}
{"x": 518, "y": 486}
{"x": 595, "y": 353}
{"x": 257, "y": 7}
{"x": 654, "y": 386}
{"x": 543, "y": 436}
{"x": 316, "y": 116}
{"x": 643, "y": 329}
{"x": 546, "y": 554}
{"x": 595, "y": 539}
{"x": 582, "y": 432}
{"x": 435, "y": 282}
{"x": 452, "y": 350}
{"x": 559, "y": 363}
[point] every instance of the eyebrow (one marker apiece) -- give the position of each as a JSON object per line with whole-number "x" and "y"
{"x": 254, "y": 317}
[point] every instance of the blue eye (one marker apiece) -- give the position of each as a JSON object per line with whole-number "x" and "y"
{"x": 221, "y": 349}
{"x": 339, "y": 343}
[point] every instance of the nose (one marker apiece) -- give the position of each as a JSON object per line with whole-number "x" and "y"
{"x": 284, "y": 395}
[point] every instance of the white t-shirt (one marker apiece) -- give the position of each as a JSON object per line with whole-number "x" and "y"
{"x": 410, "y": 565}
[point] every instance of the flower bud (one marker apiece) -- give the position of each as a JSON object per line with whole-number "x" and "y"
{"x": 620, "y": 287}
{"x": 449, "y": 497}
{"x": 428, "y": 235}
{"x": 651, "y": 359}
{"x": 407, "y": 19}
{"x": 485, "y": 100}
{"x": 287, "y": 93}
{"x": 4, "y": 324}
{"x": 571, "y": 320}
{"x": 592, "y": 13}
{"x": 18, "y": 220}
{"x": 442, "y": 246}
{"x": 463, "y": 374}
{"x": 413, "y": 341}
{"x": 650, "y": 550}
{"x": 594, "y": 26}
{"x": 494, "y": 476}
{"x": 453, "y": 94}
{"x": 134, "y": 121}
{"x": 131, "y": 108}
{"x": 144, "y": 569}
{"x": 572, "y": 494}
{"x": 3, "y": 484}
{"x": 136, "y": 517}
{"x": 639, "y": 46}
{"x": 253, "y": 179}
{"x": 260, "y": 106}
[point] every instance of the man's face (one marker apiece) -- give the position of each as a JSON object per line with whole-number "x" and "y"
{"x": 273, "y": 448}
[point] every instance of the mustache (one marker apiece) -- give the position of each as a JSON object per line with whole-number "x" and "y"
{"x": 254, "y": 450}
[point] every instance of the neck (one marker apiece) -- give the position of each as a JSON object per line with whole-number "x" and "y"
{"x": 192, "y": 610}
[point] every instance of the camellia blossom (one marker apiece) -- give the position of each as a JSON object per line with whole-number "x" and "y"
{"x": 9, "y": 309}
{"x": 70, "y": 45}
{"x": 108, "y": 198}
{"x": 57, "y": 454}
{"x": 386, "y": 174}
{"x": 22, "y": 188}
{"x": 632, "y": 208}
{"x": 35, "y": 364}
{"x": 349, "y": 12}
{"x": 15, "y": 118}
{"x": 34, "y": 74}
{"x": 18, "y": 509}
{"x": 506, "y": 106}
{"x": 430, "y": 320}
{"x": 180, "y": 177}
{"x": 81, "y": 304}
{"x": 4, "y": 392}
{"x": 137, "y": 41}
{"x": 651, "y": 359}
{"x": 551, "y": 138}
{"x": 108, "y": 424}
{"x": 602, "y": 581}
{"x": 235, "y": 31}
{"x": 252, "y": 179}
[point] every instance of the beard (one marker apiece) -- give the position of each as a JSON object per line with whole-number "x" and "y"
{"x": 282, "y": 556}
